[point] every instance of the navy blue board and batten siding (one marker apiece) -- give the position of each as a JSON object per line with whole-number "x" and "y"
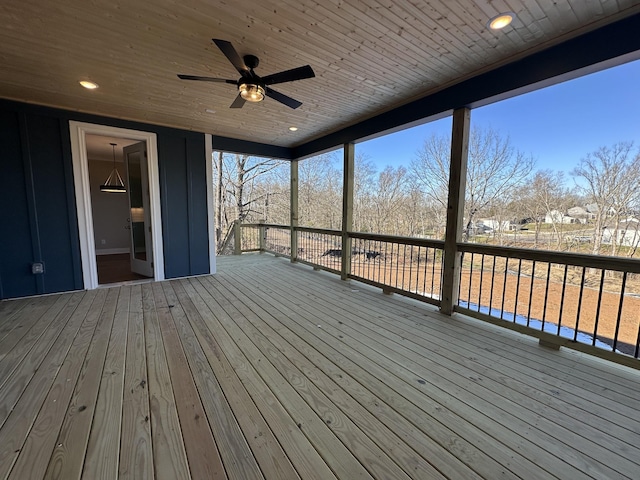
{"x": 38, "y": 217}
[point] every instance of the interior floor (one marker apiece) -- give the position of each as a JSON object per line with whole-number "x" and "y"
{"x": 116, "y": 268}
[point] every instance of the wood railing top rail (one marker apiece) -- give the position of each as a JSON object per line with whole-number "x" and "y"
{"x": 418, "y": 242}
{"x": 620, "y": 264}
{"x": 324, "y": 231}
{"x": 274, "y": 225}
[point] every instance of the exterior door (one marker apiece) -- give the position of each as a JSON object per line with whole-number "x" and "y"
{"x": 135, "y": 157}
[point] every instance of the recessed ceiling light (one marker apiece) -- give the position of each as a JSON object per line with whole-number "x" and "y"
{"x": 293, "y": 129}
{"x": 88, "y": 85}
{"x": 208, "y": 110}
{"x": 501, "y": 20}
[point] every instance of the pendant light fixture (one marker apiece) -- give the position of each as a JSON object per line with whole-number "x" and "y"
{"x": 114, "y": 183}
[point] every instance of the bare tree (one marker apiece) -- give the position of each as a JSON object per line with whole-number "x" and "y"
{"x": 494, "y": 171}
{"x": 363, "y": 185}
{"x": 609, "y": 179}
{"x": 320, "y": 192}
{"x": 545, "y": 193}
{"x": 237, "y": 193}
{"x": 386, "y": 199}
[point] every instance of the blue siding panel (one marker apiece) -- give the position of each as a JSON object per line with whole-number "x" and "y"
{"x": 38, "y": 212}
{"x": 198, "y": 226}
{"x": 15, "y": 238}
{"x": 175, "y": 213}
{"x": 52, "y": 208}
{"x": 184, "y": 205}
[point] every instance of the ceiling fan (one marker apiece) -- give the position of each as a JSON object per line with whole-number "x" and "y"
{"x": 252, "y": 87}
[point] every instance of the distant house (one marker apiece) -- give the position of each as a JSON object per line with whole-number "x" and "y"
{"x": 592, "y": 209}
{"x": 494, "y": 224}
{"x": 556, "y": 216}
{"x": 580, "y": 214}
{"x": 627, "y": 233}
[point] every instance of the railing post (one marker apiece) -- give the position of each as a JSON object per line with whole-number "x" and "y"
{"x": 262, "y": 242}
{"x": 455, "y": 209}
{"x": 293, "y": 220}
{"x": 237, "y": 238}
{"x": 347, "y": 209}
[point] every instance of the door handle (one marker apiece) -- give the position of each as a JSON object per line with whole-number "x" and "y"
{"x": 128, "y": 227}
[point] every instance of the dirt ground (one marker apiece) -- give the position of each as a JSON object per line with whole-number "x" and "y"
{"x": 517, "y": 290}
{"x": 505, "y": 287}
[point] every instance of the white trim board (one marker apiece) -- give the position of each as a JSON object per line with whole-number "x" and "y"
{"x": 213, "y": 241}
{"x": 79, "y": 131}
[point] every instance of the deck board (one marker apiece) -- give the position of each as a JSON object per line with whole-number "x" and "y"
{"x": 269, "y": 370}
{"x": 169, "y": 450}
{"x": 485, "y": 458}
{"x": 492, "y": 399}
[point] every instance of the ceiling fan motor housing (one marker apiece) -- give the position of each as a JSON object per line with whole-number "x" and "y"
{"x": 251, "y": 61}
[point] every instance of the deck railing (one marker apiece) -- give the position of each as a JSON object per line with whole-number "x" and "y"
{"x": 408, "y": 266}
{"x": 569, "y": 299}
{"x": 585, "y": 302}
{"x": 320, "y": 248}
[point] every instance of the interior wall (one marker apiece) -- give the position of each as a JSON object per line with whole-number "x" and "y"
{"x": 37, "y": 199}
{"x": 110, "y": 210}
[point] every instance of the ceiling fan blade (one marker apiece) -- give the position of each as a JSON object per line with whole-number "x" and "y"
{"x": 205, "y": 79}
{"x": 238, "y": 102}
{"x": 230, "y": 52}
{"x": 299, "y": 73}
{"x": 280, "y": 97}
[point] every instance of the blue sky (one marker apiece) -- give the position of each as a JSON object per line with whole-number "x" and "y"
{"x": 557, "y": 125}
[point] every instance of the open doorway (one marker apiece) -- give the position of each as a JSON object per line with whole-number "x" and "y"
{"x": 118, "y": 216}
{"x": 120, "y": 232}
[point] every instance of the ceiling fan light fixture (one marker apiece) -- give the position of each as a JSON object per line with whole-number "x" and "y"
{"x": 251, "y": 92}
{"x": 501, "y": 20}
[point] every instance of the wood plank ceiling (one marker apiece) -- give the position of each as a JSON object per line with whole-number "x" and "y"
{"x": 368, "y": 56}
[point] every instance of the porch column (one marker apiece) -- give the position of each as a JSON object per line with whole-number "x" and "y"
{"x": 347, "y": 208}
{"x": 455, "y": 209}
{"x": 293, "y": 221}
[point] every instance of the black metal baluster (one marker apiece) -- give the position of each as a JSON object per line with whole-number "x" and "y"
{"x": 493, "y": 274}
{"x": 418, "y": 272}
{"x": 564, "y": 287}
{"x": 433, "y": 273}
{"x": 481, "y": 277}
{"x": 533, "y": 274}
{"x": 515, "y": 301}
{"x": 579, "y": 312}
{"x": 546, "y": 296}
{"x": 470, "y": 281}
{"x": 504, "y": 287}
{"x": 404, "y": 263}
{"x": 595, "y": 327}
{"x": 622, "y": 287}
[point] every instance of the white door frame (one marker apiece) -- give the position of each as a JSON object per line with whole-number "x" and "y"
{"x": 211, "y": 223}
{"x": 79, "y": 131}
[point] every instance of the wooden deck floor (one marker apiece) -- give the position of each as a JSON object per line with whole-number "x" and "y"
{"x": 271, "y": 370}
